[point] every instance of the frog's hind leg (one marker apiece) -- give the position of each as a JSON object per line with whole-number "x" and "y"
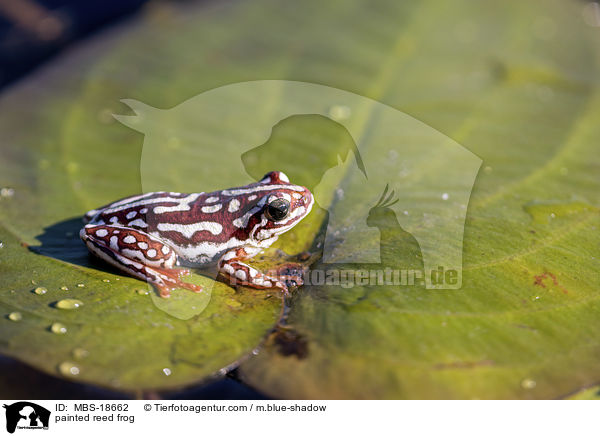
{"x": 138, "y": 254}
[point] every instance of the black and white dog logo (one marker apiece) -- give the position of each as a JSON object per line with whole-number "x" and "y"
{"x": 26, "y": 415}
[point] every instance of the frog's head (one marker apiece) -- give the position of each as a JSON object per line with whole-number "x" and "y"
{"x": 273, "y": 206}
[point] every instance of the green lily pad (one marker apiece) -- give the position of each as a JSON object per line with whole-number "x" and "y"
{"x": 590, "y": 393}
{"x": 516, "y": 85}
{"x": 519, "y": 89}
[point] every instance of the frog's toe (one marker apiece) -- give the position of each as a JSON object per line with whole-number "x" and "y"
{"x": 284, "y": 289}
{"x": 291, "y": 274}
{"x": 197, "y": 289}
{"x": 189, "y": 286}
{"x": 183, "y": 272}
{"x": 163, "y": 291}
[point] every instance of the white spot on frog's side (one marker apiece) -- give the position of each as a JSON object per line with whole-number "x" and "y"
{"x": 287, "y": 197}
{"x": 228, "y": 268}
{"x": 204, "y": 252}
{"x": 165, "y": 249}
{"x": 131, "y": 214}
{"x": 151, "y": 252}
{"x": 183, "y": 204}
{"x": 144, "y": 210}
{"x": 211, "y": 209}
{"x": 188, "y": 230}
{"x": 138, "y": 222}
{"x": 138, "y": 255}
{"x": 113, "y": 243}
{"x": 101, "y": 233}
{"x": 211, "y": 199}
{"x": 229, "y": 255}
{"x": 240, "y": 274}
{"x": 143, "y": 245}
{"x": 252, "y": 197}
{"x": 297, "y": 196}
{"x": 129, "y": 239}
{"x": 114, "y": 219}
{"x": 266, "y": 180}
{"x": 253, "y": 272}
{"x": 234, "y": 205}
{"x": 283, "y": 177}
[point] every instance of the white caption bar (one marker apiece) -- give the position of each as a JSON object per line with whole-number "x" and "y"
{"x": 151, "y": 417}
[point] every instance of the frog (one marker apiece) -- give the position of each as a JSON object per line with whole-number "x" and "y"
{"x": 158, "y": 236}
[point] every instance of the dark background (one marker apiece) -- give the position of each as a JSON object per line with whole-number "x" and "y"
{"x": 33, "y": 31}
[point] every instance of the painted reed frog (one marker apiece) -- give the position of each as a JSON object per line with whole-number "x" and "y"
{"x": 147, "y": 235}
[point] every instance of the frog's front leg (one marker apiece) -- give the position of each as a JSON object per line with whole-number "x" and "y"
{"x": 138, "y": 254}
{"x": 231, "y": 266}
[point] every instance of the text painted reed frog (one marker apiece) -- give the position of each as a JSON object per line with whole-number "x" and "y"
{"x": 148, "y": 235}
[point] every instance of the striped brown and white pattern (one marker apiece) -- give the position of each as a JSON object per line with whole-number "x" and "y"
{"x": 146, "y": 235}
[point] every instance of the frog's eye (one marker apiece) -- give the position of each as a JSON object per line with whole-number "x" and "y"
{"x": 277, "y": 209}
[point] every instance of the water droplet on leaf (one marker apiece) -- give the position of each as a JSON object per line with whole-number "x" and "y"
{"x": 58, "y": 328}
{"x": 68, "y": 369}
{"x": 7, "y": 192}
{"x": 528, "y": 383}
{"x": 69, "y": 304}
{"x": 80, "y": 353}
{"x": 40, "y": 290}
{"x": 15, "y": 316}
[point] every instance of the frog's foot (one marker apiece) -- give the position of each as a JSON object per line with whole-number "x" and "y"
{"x": 170, "y": 278}
{"x": 238, "y": 273}
{"x": 183, "y": 272}
{"x": 292, "y": 274}
{"x": 137, "y": 254}
{"x": 164, "y": 289}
